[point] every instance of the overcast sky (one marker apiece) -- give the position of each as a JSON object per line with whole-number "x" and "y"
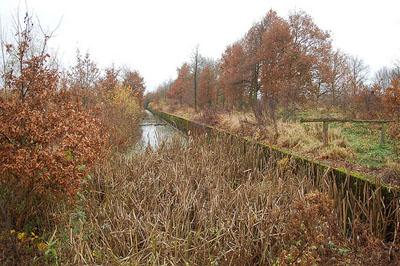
{"x": 157, "y": 36}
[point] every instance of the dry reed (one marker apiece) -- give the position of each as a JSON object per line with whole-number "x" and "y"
{"x": 207, "y": 202}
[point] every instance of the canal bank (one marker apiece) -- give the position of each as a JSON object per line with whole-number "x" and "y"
{"x": 356, "y": 196}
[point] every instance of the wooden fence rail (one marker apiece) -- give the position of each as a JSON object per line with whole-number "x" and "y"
{"x": 326, "y": 121}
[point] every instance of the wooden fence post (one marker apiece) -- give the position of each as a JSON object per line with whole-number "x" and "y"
{"x": 325, "y": 133}
{"x": 383, "y": 133}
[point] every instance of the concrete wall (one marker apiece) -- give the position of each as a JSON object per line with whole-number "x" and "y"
{"x": 350, "y": 190}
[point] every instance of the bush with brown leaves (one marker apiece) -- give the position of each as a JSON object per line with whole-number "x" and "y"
{"x": 47, "y": 141}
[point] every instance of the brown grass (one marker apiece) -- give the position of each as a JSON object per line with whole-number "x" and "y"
{"x": 207, "y": 203}
{"x": 306, "y": 138}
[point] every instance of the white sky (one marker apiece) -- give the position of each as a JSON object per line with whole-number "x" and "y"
{"x": 157, "y": 36}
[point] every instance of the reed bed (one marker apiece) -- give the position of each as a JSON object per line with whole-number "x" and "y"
{"x": 211, "y": 201}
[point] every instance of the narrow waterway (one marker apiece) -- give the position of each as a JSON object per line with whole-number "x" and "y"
{"x": 154, "y": 132}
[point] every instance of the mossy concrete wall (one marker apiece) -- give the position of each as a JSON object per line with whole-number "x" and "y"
{"x": 345, "y": 185}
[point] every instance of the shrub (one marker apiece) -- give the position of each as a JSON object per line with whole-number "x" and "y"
{"x": 47, "y": 142}
{"x": 121, "y": 114}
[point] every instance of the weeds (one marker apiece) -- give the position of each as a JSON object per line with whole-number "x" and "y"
{"x": 353, "y": 146}
{"x": 207, "y": 202}
{"x": 214, "y": 201}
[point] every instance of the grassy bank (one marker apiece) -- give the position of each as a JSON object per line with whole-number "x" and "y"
{"x": 353, "y": 146}
{"x": 204, "y": 203}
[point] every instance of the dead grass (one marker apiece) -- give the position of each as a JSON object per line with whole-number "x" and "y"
{"x": 391, "y": 173}
{"x": 233, "y": 121}
{"x": 179, "y": 110}
{"x": 348, "y": 147}
{"x": 206, "y": 203}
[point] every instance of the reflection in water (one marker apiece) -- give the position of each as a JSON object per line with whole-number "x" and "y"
{"x": 154, "y": 132}
{"x": 155, "y": 135}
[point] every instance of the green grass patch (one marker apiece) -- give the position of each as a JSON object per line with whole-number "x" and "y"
{"x": 365, "y": 140}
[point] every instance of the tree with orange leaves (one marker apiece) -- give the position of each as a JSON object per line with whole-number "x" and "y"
{"x": 82, "y": 79}
{"x": 276, "y": 55}
{"x": 293, "y": 55}
{"x": 253, "y": 46}
{"x": 207, "y": 83}
{"x": 109, "y": 81}
{"x": 391, "y": 97}
{"x": 232, "y": 74}
{"x": 181, "y": 86}
{"x": 133, "y": 80}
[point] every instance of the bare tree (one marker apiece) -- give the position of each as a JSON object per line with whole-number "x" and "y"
{"x": 4, "y": 59}
{"x": 358, "y": 74}
{"x": 29, "y": 40}
{"x": 163, "y": 89}
{"x": 383, "y": 77}
{"x": 396, "y": 70}
{"x": 336, "y": 76}
{"x": 85, "y": 73}
{"x": 196, "y": 62}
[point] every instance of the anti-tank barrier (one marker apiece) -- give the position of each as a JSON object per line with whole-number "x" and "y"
{"x": 356, "y": 195}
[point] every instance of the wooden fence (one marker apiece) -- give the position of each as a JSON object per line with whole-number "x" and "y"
{"x": 326, "y": 121}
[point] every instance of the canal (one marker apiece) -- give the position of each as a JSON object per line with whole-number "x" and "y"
{"x": 154, "y": 132}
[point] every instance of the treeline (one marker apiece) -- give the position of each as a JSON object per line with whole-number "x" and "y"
{"x": 282, "y": 63}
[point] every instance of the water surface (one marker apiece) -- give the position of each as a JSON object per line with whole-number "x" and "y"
{"x": 154, "y": 132}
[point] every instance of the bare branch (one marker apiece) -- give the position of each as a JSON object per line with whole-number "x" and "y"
{"x": 8, "y": 138}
